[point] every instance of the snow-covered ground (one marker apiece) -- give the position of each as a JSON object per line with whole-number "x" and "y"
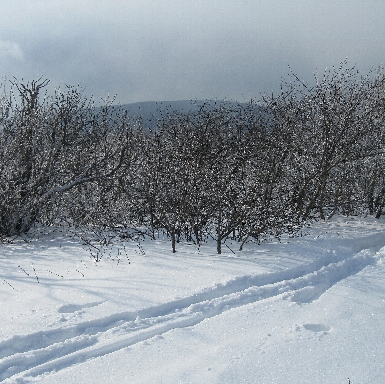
{"x": 310, "y": 309}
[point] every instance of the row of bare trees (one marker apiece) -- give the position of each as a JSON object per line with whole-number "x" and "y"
{"x": 230, "y": 171}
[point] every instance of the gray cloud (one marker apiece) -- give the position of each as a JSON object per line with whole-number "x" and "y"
{"x": 11, "y": 51}
{"x": 182, "y": 49}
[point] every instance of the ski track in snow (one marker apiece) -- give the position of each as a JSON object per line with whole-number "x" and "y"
{"x": 24, "y": 357}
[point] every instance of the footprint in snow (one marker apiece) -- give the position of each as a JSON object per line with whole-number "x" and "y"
{"x": 72, "y": 308}
{"x": 317, "y": 327}
{"x": 308, "y": 294}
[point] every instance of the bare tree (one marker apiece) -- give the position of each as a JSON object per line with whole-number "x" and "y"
{"x": 337, "y": 121}
{"x": 48, "y": 149}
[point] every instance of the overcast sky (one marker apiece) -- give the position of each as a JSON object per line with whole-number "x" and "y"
{"x": 145, "y": 50}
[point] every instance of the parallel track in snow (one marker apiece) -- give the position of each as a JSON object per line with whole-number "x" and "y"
{"x": 24, "y": 357}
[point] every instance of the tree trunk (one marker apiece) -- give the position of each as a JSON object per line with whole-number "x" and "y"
{"x": 173, "y": 240}
{"x": 219, "y": 231}
{"x": 196, "y": 234}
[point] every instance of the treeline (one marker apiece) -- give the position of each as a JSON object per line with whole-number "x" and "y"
{"x": 239, "y": 171}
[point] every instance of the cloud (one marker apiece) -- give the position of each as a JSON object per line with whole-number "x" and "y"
{"x": 11, "y": 50}
{"x": 182, "y": 49}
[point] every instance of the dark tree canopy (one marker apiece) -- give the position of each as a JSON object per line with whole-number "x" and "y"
{"x": 240, "y": 171}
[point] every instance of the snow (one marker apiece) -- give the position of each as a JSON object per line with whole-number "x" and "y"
{"x": 306, "y": 309}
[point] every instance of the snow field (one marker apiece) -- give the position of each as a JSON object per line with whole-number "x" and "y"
{"x": 309, "y": 308}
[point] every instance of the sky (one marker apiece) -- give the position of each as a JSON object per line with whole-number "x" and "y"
{"x": 153, "y": 50}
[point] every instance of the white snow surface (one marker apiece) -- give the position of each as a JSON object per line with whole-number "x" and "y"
{"x": 309, "y": 309}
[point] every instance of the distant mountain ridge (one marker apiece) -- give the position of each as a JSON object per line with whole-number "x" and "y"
{"x": 153, "y": 111}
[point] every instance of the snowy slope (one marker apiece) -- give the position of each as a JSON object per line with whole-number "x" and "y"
{"x": 308, "y": 309}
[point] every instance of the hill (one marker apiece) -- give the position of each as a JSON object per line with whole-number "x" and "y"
{"x": 152, "y": 111}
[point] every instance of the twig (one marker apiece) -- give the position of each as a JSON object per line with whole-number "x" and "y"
{"x": 9, "y": 284}
{"x": 24, "y": 270}
{"x": 35, "y": 273}
{"x": 224, "y": 243}
{"x": 80, "y": 272}
{"x": 55, "y": 274}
